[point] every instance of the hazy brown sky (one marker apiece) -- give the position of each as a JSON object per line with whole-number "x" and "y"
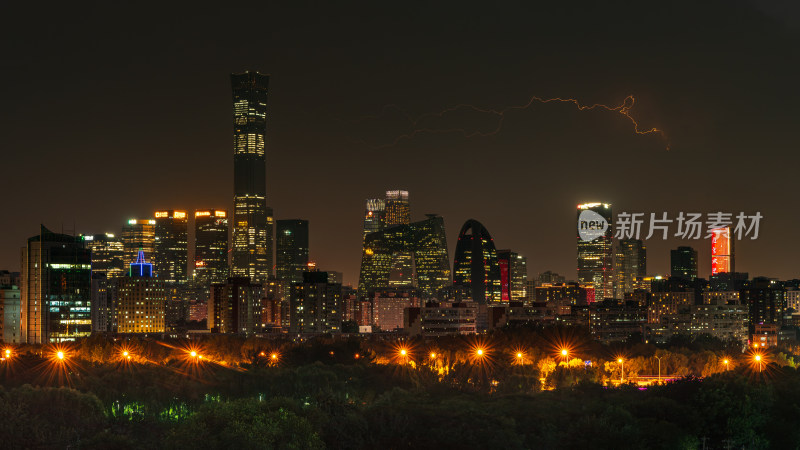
{"x": 113, "y": 111}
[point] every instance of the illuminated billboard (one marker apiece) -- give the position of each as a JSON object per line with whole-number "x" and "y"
{"x": 721, "y": 250}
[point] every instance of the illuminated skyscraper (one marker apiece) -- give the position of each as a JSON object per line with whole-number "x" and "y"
{"x": 171, "y": 246}
{"x": 722, "y": 251}
{"x": 630, "y": 264}
{"x": 211, "y": 246}
{"x": 55, "y": 291}
{"x": 108, "y": 254}
{"x": 374, "y": 216}
{"x": 683, "y": 263}
{"x": 140, "y": 300}
{"x": 595, "y": 249}
{"x": 138, "y": 235}
{"x": 513, "y": 275}
{"x": 252, "y": 219}
{"x": 398, "y": 209}
{"x": 291, "y": 250}
{"x": 424, "y": 242}
{"x": 475, "y": 265}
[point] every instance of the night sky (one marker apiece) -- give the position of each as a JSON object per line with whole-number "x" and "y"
{"x": 112, "y": 112}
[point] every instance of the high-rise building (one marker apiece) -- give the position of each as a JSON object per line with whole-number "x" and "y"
{"x": 398, "y": 208}
{"x": 9, "y": 313}
{"x": 316, "y": 305}
{"x": 235, "y": 306}
{"x": 595, "y": 249}
{"x": 55, "y": 292}
{"x": 475, "y": 265}
{"x": 138, "y": 235}
{"x": 140, "y": 299}
{"x": 426, "y": 243}
{"x": 388, "y": 306}
{"x": 683, "y": 263}
{"x": 630, "y": 265}
{"x": 513, "y": 275}
{"x": 252, "y": 219}
{"x": 291, "y": 250}
{"x": 211, "y": 246}
{"x": 108, "y": 254}
{"x": 722, "y": 251}
{"x": 766, "y": 301}
{"x": 102, "y": 306}
{"x": 374, "y": 216}
{"x": 171, "y": 246}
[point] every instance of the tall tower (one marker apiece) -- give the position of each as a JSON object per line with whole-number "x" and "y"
{"x": 475, "y": 265}
{"x": 138, "y": 235}
{"x": 292, "y": 250}
{"x": 374, "y": 216}
{"x": 595, "y": 251}
{"x": 55, "y": 290}
{"x": 630, "y": 265}
{"x": 398, "y": 209}
{"x": 171, "y": 246}
{"x": 683, "y": 263}
{"x": 211, "y": 246}
{"x": 252, "y": 219}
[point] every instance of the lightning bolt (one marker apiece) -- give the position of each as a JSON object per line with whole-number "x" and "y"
{"x": 624, "y": 109}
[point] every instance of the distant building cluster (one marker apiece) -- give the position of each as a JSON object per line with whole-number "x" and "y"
{"x": 250, "y": 274}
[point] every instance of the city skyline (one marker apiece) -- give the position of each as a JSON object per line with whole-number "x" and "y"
{"x": 711, "y": 130}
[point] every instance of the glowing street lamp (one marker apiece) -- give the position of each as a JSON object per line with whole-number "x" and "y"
{"x": 758, "y": 361}
{"x": 479, "y": 352}
{"x": 273, "y": 356}
{"x": 726, "y": 362}
{"x": 60, "y": 355}
{"x": 622, "y": 370}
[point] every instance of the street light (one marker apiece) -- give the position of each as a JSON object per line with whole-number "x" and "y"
{"x": 758, "y": 361}
{"x": 725, "y": 361}
{"x": 659, "y": 367}
{"x": 622, "y": 370}
{"x": 60, "y": 355}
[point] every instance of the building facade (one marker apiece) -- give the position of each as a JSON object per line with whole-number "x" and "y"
{"x": 595, "y": 248}
{"x": 252, "y": 219}
{"x": 291, "y": 250}
{"x": 235, "y": 306}
{"x": 211, "y": 246}
{"x": 683, "y": 263}
{"x": 315, "y": 305}
{"x": 108, "y": 254}
{"x": 630, "y": 265}
{"x": 475, "y": 266}
{"x": 55, "y": 290}
{"x": 140, "y": 300}
{"x": 138, "y": 235}
{"x": 171, "y": 256}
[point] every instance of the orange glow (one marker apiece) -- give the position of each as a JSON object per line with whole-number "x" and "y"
{"x": 619, "y": 360}
{"x": 433, "y": 355}
{"x": 179, "y": 215}
{"x": 161, "y": 214}
{"x": 273, "y": 356}
{"x": 60, "y": 354}
{"x": 193, "y": 354}
{"x": 220, "y": 214}
{"x": 202, "y": 213}
{"x": 564, "y": 352}
{"x": 479, "y": 352}
{"x": 403, "y": 351}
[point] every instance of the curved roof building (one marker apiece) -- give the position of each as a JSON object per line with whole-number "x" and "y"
{"x": 475, "y": 266}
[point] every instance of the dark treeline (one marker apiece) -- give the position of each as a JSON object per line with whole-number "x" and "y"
{"x": 354, "y": 393}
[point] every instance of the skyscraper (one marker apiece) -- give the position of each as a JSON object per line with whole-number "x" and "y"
{"x": 426, "y": 244}
{"x": 316, "y": 305}
{"x": 108, "y": 254}
{"x": 138, "y": 235}
{"x": 374, "y": 216}
{"x": 55, "y": 291}
{"x": 252, "y": 219}
{"x": 171, "y": 246}
{"x": 630, "y": 263}
{"x": 235, "y": 306}
{"x": 140, "y": 300}
{"x": 595, "y": 250}
{"x": 398, "y": 208}
{"x": 722, "y": 251}
{"x": 513, "y": 275}
{"x": 766, "y": 301}
{"x": 291, "y": 250}
{"x": 211, "y": 246}
{"x": 683, "y": 263}
{"x": 475, "y": 265}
